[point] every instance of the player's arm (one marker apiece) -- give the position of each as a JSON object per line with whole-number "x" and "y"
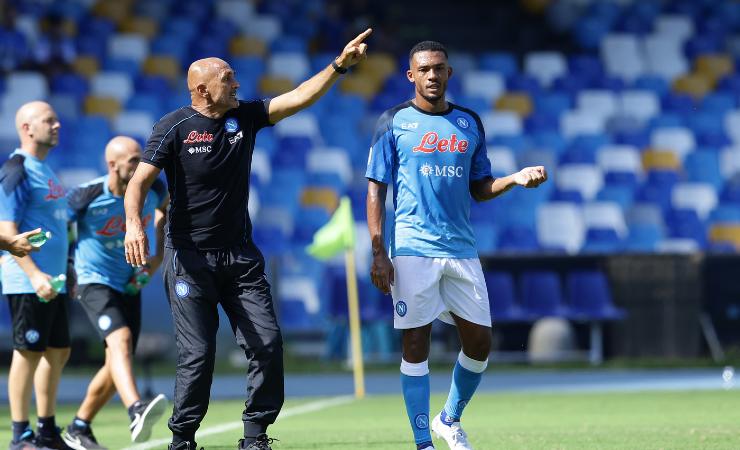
{"x": 488, "y": 188}
{"x": 381, "y": 271}
{"x": 136, "y": 242}
{"x": 39, "y": 280}
{"x": 312, "y": 89}
{"x": 18, "y": 244}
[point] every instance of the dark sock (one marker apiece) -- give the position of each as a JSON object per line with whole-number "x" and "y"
{"x": 47, "y": 426}
{"x": 132, "y": 409}
{"x": 80, "y": 424}
{"x": 19, "y": 428}
{"x": 423, "y": 445}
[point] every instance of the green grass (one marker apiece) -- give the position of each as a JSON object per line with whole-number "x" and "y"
{"x": 651, "y": 420}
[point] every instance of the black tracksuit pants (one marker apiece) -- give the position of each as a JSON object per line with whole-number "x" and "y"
{"x": 196, "y": 282}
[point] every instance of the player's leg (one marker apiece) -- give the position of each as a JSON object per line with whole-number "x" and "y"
{"x": 247, "y": 302}
{"x": 465, "y": 294}
{"x": 49, "y": 373}
{"x": 78, "y": 434}
{"x": 22, "y": 367}
{"x": 192, "y": 295}
{"x": 417, "y": 303}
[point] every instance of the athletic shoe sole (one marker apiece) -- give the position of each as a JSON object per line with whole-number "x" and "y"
{"x": 154, "y": 410}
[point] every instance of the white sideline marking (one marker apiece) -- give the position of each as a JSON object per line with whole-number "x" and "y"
{"x": 284, "y": 414}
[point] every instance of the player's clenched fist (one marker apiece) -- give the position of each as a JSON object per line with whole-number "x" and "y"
{"x": 531, "y": 177}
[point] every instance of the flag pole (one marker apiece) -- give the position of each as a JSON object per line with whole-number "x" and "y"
{"x": 354, "y": 323}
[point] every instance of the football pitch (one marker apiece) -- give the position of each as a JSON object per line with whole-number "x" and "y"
{"x": 637, "y": 420}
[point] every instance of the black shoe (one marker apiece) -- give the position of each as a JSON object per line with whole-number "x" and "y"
{"x": 53, "y": 442}
{"x": 184, "y": 445}
{"x": 262, "y": 442}
{"x": 145, "y": 416}
{"x": 81, "y": 440}
{"x": 26, "y": 442}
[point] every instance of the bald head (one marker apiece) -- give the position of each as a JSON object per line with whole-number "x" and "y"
{"x": 29, "y": 112}
{"x": 121, "y": 146}
{"x": 38, "y": 127}
{"x": 212, "y": 86}
{"x": 204, "y": 70}
{"x": 122, "y": 155}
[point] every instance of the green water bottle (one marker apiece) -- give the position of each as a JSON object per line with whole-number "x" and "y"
{"x": 57, "y": 283}
{"x": 140, "y": 278}
{"x": 39, "y": 239}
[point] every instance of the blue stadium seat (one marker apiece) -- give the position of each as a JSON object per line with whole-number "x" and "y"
{"x": 685, "y": 223}
{"x": 601, "y": 240}
{"x": 502, "y": 62}
{"x": 308, "y": 221}
{"x": 542, "y": 294}
{"x": 589, "y": 296}
{"x": 502, "y": 298}
{"x": 623, "y": 195}
{"x": 725, "y": 213}
{"x": 703, "y": 166}
{"x": 486, "y": 236}
{"x": 518, "y": 240}
{"x": 524, "y": 83}
{"x": 147, "y": 102}
{"x": 71, "y": 84}
{"x": 643, "y": 238}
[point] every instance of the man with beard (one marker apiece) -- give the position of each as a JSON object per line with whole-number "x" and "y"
{"x": 434, "y": 153}
{"x": 109, "y": 290}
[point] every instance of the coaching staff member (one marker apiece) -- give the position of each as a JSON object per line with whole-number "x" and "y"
{"x": 205, "y": 150}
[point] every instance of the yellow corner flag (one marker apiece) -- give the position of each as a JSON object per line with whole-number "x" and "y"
{"x": 337, "y": 235}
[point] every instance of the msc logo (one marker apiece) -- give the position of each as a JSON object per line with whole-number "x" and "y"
{"x": 201, "y": 149}
{"x": 401, "y": 308}
{"x": 428, "y": 170}
{"x": 431, "y": 142}
{"x": 421, "y": 421}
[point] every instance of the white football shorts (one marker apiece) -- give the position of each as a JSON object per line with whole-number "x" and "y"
{"x": 425, "y": 289}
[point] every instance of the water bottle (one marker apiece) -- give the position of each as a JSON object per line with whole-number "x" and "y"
{"x": 57, "y": 283}
{"x": 138, "y": 280}
{"x": 39, "y": 239}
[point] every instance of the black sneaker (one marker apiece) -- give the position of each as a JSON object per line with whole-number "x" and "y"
{"x": 53, "y": 442}
{"x": 26, "y": 442}
{"x": 81, "y": 440}
{"x": 145, "y": 416}
{"x": 185, "y": 445}
{"x": 262, "y": 442}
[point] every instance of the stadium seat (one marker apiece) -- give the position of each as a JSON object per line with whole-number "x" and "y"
{"x": 598, "y": 102}
{"x": 604, "y": 215}
{"x": 622, "y": 56}
{"x": 660, "y": 160}
{"x": 266, "y": 27}
{"x": 585, "y": 178}
{"x": 517, "y": 102}
{"x": 518, "y": 240}
{"x": 589, "y": 296}
{"x": 30, "y": 85}
{"x": 619, "y": 158}
{"x": 640, "y": 104}
{"x": 486, "y": 237}
{"x": 703, "y": 167}
{"x": 502, "y": 161}
{"x": 725, "y": 233}
{"x": 294, "y": 66}
{"x": 137, "y": 124}
{"x": 560, "y": 226}
{"x": 487, "y": 85}
{"x": 545, "y": 66}
{"x": 664, "y": 56}
{"x": 303, "y": 123}
{"x": 677, "y": 26}
{"x": 502, "y": 298}
{"x": 542, "y": 294}
{"x": 694, "y": 85}
{"x": 330, "y": 160}
{"x": 131, "y": 47}
{"x": 272, "y": 86}
{"x": 108, "y": 107}
{"x": 113, "y": 85}
{"x": 680, "y": 141}
{"x": 700, "y": 197}
{"x": 576, "y": 122}
{"x": 678, "y": 245}
{"x": 322, "y": 197}
{"x": 643, "y": 238}
{"x": 501, "y": 123}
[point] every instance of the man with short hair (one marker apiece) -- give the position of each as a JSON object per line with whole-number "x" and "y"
{"x": 205, "y": 150}
{"x": 109, "y": 291}
{"x": 434, "y": 154}
{"x": 31, "y": 198}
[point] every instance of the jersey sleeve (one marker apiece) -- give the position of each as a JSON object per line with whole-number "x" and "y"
{"x": 15, "y": 190}
{"x": 160, "y": 146}
{"x": 480, "y": 167}
{"x": 80, "y": 198}
{"x": 255, "y": 111}
{"x": 382, "y": 150}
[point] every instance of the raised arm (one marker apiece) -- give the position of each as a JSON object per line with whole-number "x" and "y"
{"x": 488, "y": 188}
{"x": 381, "y": 271}
{"x": 136, "y": 242}
{"x": 312, "y": 89}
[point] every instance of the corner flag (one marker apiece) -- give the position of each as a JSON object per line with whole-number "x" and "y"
{"x": 337, "y": 235}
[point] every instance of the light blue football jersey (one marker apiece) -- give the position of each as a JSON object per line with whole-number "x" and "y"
{"x": 430, "y": 159}
{"x": 32, "y": 197}
{"x": 101, "y": 219}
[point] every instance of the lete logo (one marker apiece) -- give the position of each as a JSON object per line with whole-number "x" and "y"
{"x": 55, "y": 191}
{"x": 194, "y": 137}
{"x": 431, "y": 142}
